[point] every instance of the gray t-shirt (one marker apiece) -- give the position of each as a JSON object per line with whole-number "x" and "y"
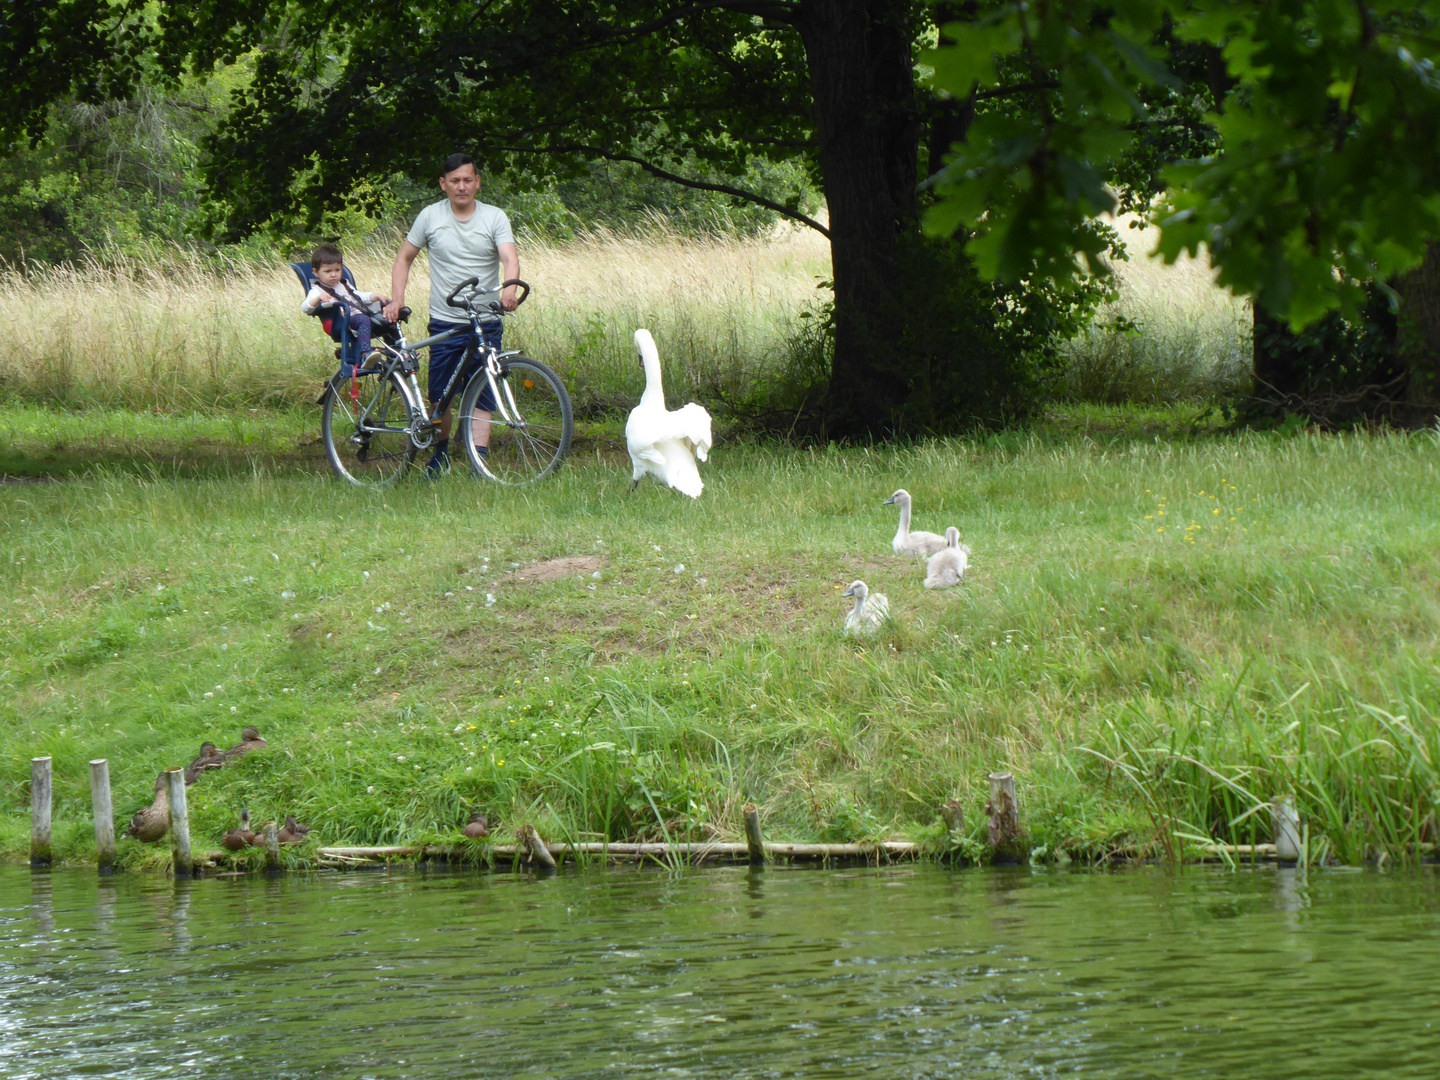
{"x": 460, "y": 250}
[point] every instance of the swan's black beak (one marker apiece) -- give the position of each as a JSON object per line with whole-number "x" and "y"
{"x": 889, "y": 502}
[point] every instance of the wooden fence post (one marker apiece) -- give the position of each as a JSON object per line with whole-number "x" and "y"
{"x": 754, "y": 841}
{"x": 272, "y": 846}
{"x": 40, "y": 811}
{"x": 1285, "y": 824}
{"x": 1003, "y": 810}
{"x": 104, "y": 815}
{"x": 179, "y": 821}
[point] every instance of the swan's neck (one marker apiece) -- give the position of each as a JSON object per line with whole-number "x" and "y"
{"x": 654, "y": 389}
{"x": 859, "y": 605}
{"x": 904, "y": 529}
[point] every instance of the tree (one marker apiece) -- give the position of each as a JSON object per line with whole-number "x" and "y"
{"x": 1327, "y": 116}
{"x": 342, "y": 91}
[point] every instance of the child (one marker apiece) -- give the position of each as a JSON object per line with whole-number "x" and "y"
{"x": 330, "y": 289}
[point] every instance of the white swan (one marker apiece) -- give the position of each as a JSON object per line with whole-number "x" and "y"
{"x": 946, "y": 568}
{"x": 665, "y": 444}
{"x": 870, "y": 610}
{"x": 907, "y": 542}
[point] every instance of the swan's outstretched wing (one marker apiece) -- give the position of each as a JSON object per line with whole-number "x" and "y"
{"x": 692, "y": 423}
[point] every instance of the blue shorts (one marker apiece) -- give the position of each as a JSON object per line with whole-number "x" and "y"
{"x": 447, "y": 354}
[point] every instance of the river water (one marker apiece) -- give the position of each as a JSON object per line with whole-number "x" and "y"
{"x": 902, "y": 972}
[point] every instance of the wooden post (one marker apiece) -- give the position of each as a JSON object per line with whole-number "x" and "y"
{"x": 104, "y": 815}
{"x": 754, "y": 841}
{"x": 272, "y": 846}
{"x": 1285, "y": 824}
{"x": 179, "y": 821}
{"x": 40, "y": 811}
{"x": 952, "y": 813}
{"x": 1003, "y": 810}
{"x": 536, "y": 847}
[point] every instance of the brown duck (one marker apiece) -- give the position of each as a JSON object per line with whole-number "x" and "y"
{"x": 241, "y": 838}
{"x": 292, "y": 832}
{"x": 210, "y": 758}
{"x": 249, "y": 740}
{"x": 153, "y": 822}
{"x": 477, "y": 828}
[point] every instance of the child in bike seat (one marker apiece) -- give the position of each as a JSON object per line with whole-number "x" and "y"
{"x": 331, "y": 290}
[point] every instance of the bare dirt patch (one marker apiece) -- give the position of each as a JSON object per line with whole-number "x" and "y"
{"x": 555, "y": 569}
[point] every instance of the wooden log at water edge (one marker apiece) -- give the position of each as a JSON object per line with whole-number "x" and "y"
{"x": 40, "y": 811}
{"x": 534, "y": 847}
{"x": 104, "y": 815}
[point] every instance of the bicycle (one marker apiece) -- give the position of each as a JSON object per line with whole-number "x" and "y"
{"x": 513, "y": 407}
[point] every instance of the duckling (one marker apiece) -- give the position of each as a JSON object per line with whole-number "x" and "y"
{"x": 478, "y": 827}
{"x": 153, "y": 822}
{"x": 249, "y": 740}
{"x": 241, "y": 838}
{"x": 292, "y": 832}
{"x": 907, "y": 542}
{"x": 870, "y": 610}
{"x": 210, "y": 758}
{"x": 946, "y": 568}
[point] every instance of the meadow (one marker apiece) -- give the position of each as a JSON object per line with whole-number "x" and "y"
{"x": 1166, "y": 625}
{"x": 1159, "y": 635}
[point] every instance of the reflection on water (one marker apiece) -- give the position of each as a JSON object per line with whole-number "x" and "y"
{"x": 916, "y": 972}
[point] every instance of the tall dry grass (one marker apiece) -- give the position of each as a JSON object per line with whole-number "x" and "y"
{"x": 1188, "y": 340}
{"x": 173, "y": 331}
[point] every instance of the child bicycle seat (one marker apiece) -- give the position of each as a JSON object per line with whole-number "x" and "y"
{"x": 333, "y": 326}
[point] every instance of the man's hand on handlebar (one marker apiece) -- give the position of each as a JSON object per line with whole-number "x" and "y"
{"x": 392, "y": 309}
{"x": 507, "y": 298}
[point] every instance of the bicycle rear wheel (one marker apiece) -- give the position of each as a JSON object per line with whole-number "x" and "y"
{"x": 530, "y": 444}
{"x": 367, "y": 439}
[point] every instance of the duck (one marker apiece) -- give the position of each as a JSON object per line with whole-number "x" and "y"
{"x": 153, "y": 822}
{"x": 907, "y": 542}
{"x": 478, "y": 827}
{"x": 870, "y": 610}
{"x": 249, "y": 740}
{"x": 241, "y": 838}
{"x": 946, "y": 568}
{"x": 292, "y": 832}
{"x": 210, "y": 758}
{"x": 663, "y": 444}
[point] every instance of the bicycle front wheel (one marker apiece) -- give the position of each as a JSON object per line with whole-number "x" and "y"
{"x": 367, "y": 437}
{"x": 522, "y": 437}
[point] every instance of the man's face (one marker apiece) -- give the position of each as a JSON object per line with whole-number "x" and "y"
{"x": 330, "y": 274}
{"x": 461, "y": 186}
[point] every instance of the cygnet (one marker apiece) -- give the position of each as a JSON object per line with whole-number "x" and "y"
{"x": 907, "y": 542}
{"x": 946, "y": 568}
{"x": 870, "y": 610}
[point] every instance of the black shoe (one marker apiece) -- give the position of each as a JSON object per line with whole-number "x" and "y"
{"x": 438, "y": 465}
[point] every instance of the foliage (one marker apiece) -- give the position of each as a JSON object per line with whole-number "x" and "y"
{"x": 1329, "y": 122}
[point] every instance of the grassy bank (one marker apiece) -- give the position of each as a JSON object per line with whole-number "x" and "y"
{"x": 1160, "y": 633}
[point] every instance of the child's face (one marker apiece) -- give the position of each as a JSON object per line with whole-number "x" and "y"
{"x": 330, "y": 274}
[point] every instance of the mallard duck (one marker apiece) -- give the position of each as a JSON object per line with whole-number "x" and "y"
{"x": 241, "y": 838}
{"x": 153, "y": 822}
{"x": 292, "y": 832}
{"x": 907, "y": 542}
{"x": 210, "y": 758}
{"x": 478, "y": 827}
{"x": 249, "y": 740}
{"x": 870, "y": 610}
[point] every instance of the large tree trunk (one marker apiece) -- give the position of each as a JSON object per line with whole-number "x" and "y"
{"x": 1420, "y": 335}
{"x": 861, "y": 75}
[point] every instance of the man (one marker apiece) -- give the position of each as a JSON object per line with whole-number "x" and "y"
{"x": 466, "y": 239}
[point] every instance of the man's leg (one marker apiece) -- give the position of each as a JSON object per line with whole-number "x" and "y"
{"x": 491, "y": 334}
{"x": 444, "y": 358}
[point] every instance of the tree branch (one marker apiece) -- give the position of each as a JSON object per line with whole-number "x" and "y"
{"x": 663, "y": 174}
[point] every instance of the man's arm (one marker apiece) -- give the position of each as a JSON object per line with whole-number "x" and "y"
{"x": 399, "y": 278}
{"x": 510, "y": 264}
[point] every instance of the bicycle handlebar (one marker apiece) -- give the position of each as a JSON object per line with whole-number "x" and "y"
{"x": 470, "y": 283}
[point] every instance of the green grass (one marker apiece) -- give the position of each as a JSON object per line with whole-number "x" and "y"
{"x": 1147, "y": 687}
